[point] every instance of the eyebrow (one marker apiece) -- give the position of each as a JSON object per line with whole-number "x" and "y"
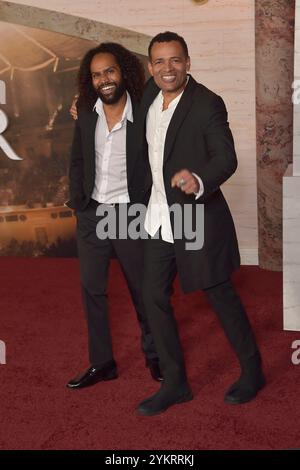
{"x": 162, "y": 58}
{"x": 105, "y": 70}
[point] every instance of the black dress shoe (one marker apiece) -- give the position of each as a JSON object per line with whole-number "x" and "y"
{"x": 243, "y": 390}
{"x": 163, "y": 399}
{"x": 93, "y": 375}
{"x": 153, "y": 366}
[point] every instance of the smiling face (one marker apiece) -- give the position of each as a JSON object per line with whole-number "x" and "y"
{"x": 169, "y": 65}
{"x": 107, "y": 78}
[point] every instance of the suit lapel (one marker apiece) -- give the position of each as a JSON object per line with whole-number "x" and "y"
{"x": 136, "y": 130}
{"x": 131, "y": 153}
{"x": 149, "y": 96}
{"x": 178, "y": 117}
{"x": 131, "y": 142}
{"x": 90, "y": 125}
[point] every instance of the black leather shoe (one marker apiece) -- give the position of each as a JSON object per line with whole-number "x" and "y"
{"x": 163, "y": 399}
{"x": 153, "y": 366}
{"x": 243, "y": 391}
{"x": 93, "y": 375}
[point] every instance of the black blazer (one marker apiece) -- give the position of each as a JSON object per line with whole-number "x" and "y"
{"x": 198, "y": 139}
{"x": 82, "y": 162}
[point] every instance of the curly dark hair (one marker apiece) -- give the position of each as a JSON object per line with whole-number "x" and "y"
{"x": 131, "y": 68}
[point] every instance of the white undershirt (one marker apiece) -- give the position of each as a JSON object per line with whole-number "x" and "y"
{"x": 157, "y": 124}
{"x": 110, "y": 164}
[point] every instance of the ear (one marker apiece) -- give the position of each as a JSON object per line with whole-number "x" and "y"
{"x": 188, "y": 64}
{"x": 150, "y": 68}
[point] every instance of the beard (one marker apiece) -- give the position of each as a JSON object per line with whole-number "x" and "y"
{"x": 113, "y": 97}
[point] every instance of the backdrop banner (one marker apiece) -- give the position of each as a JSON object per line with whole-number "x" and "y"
{"x": 38, "y": 71}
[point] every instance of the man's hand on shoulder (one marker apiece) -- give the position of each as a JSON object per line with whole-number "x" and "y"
{"x": 73, "y": 109}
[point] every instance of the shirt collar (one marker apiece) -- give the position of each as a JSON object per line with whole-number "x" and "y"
{"x": 127, "y": 113}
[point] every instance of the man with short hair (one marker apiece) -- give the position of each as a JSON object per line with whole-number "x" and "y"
{"x": 191, "y": 154}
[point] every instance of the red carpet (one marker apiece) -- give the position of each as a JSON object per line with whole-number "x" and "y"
{"x": 44, "y": 330}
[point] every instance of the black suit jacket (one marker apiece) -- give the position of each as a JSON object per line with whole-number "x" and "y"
{"x": 82, "y": 162}
{"x": 198, "y": 139}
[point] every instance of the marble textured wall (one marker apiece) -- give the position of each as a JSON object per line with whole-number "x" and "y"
{"x": 291, "y": 210}
{"x": 291, "y": 250}
{"x": 274, "y": 77}
{"x": 296, "y": 148}
{"x": 220, "y": 35}
{"x": 74, "y": 26}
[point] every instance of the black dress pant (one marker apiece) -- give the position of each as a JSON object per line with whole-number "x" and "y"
{"x": 159, "y": 273}
{"x": 94, "y": 257}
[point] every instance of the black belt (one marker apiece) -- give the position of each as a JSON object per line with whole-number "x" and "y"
{"x": 94, "y": 204}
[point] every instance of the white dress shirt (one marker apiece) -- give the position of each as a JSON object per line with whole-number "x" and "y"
{"x": 157, "y": 124}
{"x": 110, "y": 165}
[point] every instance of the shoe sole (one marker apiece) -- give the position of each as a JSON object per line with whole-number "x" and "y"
{"x": 185, "y": 398}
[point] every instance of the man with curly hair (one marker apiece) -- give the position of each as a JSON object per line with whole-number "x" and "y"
{"x": 104, "y": 173}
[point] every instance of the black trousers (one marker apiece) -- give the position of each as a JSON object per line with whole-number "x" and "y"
{"x": 94, "y": 257}
{"x": 159, "y": 273}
